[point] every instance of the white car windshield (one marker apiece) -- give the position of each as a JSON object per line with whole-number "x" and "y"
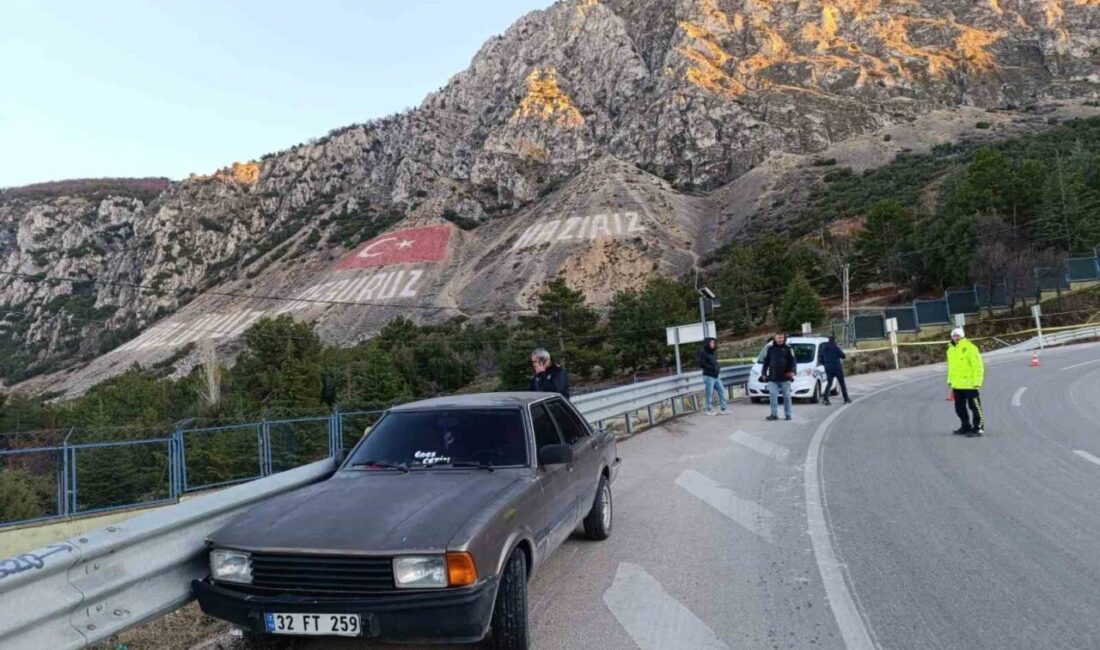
{"x": 803, "y": 352}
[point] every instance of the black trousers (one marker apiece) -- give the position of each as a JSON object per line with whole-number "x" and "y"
{"x": 969, "y": 399}
{"x": 839, "y": 376}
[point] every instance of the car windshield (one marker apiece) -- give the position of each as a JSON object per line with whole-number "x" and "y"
{"x": 445, "y": 438}
{"x": 803, "y": 352}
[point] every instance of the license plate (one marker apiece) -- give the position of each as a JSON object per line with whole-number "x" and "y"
{"x": 314, "y": 624}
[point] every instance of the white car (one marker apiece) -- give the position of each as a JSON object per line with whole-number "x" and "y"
{"x": 808, "y": 384}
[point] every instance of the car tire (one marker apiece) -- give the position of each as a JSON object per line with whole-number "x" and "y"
{"x": 509, "y": 622}
{"x": 817, "y": 394}
{"x": 597, "y": 525}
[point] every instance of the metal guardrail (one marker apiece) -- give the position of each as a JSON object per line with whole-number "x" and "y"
{"x": 1051, "y": 340}
{"x": 627, "y": 400}
{"x": 76, "y": 593}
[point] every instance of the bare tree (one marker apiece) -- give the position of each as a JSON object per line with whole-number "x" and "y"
{"x": 210, "y": 380}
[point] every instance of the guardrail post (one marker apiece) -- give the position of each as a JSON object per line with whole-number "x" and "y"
{"x": 649, "y": 411}
{"x": 630, "y": 423}
{"x": 677, "y": 408}
{"x": 64, "y": 498}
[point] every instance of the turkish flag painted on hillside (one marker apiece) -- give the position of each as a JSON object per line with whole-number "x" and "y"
{"x": 408, "y": 246}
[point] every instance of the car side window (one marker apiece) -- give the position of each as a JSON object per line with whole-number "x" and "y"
{"x": 572, "y": 429}
{"x": 545, "y": 431}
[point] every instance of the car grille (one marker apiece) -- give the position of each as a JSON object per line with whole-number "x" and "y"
{"x": 321, "y": 574}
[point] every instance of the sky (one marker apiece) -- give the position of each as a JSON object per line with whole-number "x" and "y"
{"x": 113, "y": 88}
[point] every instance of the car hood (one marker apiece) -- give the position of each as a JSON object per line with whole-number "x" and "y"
{"x": 381, "y": 512}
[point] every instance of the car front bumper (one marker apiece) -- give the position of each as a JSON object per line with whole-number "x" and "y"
{"x": 444, "y": 616}
{"x": 800, "y": 387}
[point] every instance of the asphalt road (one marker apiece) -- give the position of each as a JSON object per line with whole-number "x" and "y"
{"x": 895, "y": 535}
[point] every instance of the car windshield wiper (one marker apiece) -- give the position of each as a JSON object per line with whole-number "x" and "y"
{"x": 486, "y": 465}
{"x": 381, "y": 463}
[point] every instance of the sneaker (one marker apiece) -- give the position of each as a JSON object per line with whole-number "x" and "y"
{"x": 847, "y": 401}
{"x": 975, "y": 434}
{"x": 771, "y": 418}
{"x": 961, "y": 432}
{"x": 981, "y": 431}
{"x": 708, "y": 412}
{"x": 723, "y": 412}
{"x": 825, "y": 402}
{"x": 788, "y": 418}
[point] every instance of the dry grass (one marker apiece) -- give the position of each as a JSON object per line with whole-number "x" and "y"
{"x": 180, "y": 630}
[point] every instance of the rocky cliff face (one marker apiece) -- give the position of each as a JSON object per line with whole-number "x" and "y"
{"x": 604, "y": 139}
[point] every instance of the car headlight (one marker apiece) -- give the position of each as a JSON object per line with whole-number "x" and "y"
{"x": 420, "y": 572}
{"x": 231, "y": 566}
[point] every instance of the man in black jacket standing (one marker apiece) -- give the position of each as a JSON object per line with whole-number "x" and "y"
{"x": 708, "y": 363}
{"x": 832, "y": 357}
{"x": 780, "y": 368}
{"x": 549, "y": 376}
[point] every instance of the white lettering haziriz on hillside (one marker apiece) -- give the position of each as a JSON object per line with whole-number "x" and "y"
{"x": 358, "y": 289}
{"x": 391, "y": 285}
{"x": 176, "y": 334}
{"x": 581, "y": 228}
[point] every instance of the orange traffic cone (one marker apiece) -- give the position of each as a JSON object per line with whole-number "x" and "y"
{"x": 1035, "y": 360}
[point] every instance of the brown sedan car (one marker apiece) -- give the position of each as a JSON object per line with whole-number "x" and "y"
{"x": 429, "y": 530}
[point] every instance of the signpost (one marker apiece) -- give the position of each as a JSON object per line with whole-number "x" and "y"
{"x": 694, "y": 333}
{"x": 892, "y": 329}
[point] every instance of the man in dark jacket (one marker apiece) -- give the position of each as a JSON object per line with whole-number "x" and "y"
{"x": 832, "y": 357}
{"x": 549, "y": 376}
{"x": 708, "y": 363}
{"x": 780, "y": 368}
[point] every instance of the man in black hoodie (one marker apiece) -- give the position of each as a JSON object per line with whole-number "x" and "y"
{"x": 549, "y": 376}
{"x": 708, "y": 362}
{"x": 780, "y": 367}
{"x": 832, "y": 357}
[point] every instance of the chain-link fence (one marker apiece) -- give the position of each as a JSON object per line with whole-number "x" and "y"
{"x": 47, "y": 476}
{"x": 972, "y": 300}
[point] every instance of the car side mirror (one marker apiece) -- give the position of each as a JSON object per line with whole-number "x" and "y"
{"x": 555, "y": 455}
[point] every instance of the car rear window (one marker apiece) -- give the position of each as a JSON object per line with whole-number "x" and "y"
{"x": 803, "y": 352}
{"x": 441, "y": 438}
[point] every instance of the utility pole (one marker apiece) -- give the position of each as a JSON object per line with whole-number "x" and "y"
{"x": 847, "y": 302}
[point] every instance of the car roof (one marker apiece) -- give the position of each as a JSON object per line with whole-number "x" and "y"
{"x": 803, "y": 339}
{"x": 476, "y": 400}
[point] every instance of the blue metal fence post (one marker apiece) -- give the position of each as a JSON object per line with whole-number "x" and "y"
{"x": 264, "y": 434}
{"x": 333, "y": 431}
{"x": 68, "y": 478}
{"x": 73, "y": 508}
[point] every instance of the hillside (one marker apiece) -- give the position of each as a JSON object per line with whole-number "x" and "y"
{"x": 602, "y": 140}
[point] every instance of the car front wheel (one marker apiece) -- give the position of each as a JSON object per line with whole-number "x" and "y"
{"x": 597, "y": 525}
{"x": 509, "y": 623}
{"x": 817, "y": 394}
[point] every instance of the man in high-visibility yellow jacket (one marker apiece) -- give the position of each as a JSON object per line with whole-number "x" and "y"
{"x": 965, "y": 376}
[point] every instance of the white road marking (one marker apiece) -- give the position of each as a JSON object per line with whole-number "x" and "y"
{"x": 852, "y": 628}
{"x": 1078, "y": 365}
{"x": 1087, "y": 456}
{"x": 653, "y": 617}
{"x": 759, "y": 445}
{"x": 1018, "y": 396}
{"x": 748, "y": 514}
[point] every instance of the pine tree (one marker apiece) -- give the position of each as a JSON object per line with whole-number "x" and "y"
{"x": 800, "y": 304}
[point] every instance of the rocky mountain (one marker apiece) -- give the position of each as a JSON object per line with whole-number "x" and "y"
{"x": 603, "y": 139}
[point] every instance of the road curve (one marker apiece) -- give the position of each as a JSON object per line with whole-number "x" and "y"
{"x": 952, "y": 542}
